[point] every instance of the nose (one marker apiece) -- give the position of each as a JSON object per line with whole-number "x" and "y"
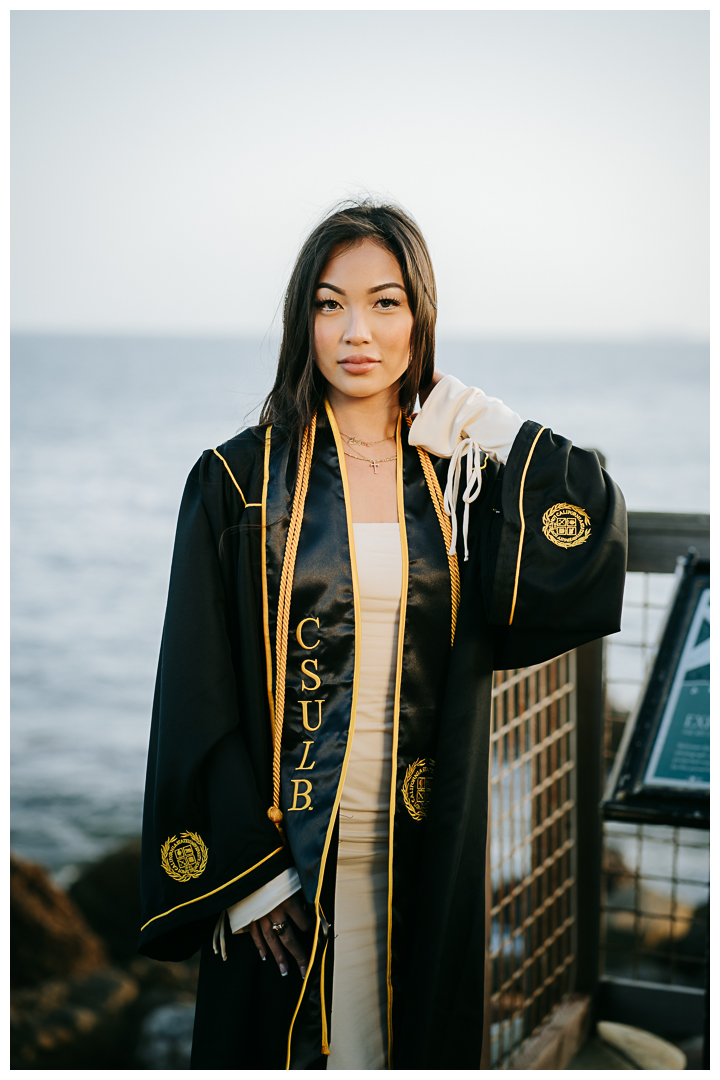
{"x": 357, "y": 331}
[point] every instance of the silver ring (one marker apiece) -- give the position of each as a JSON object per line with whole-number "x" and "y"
{"x": 279, "y": 928}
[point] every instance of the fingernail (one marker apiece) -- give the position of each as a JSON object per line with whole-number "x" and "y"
{"x": 283, "y": 970}
{"x": 263, "y": 957}
{"x": 303, "y": 971}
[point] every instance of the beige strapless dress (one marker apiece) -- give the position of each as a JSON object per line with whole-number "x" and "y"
{"x": 358, "y": 1037}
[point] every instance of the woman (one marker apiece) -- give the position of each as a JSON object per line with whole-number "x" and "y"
{"x": 317, "y": 779}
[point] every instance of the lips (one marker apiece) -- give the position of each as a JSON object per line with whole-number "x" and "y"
{"x": 358, "y": 364}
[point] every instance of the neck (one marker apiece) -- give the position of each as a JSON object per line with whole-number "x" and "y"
{"x": 369, "y": 418}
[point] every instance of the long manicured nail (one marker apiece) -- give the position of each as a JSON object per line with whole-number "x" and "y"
{"x": 283, "y": 969}
{"x": 303, "y": 971}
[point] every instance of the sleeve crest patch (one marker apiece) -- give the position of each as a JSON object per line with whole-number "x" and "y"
{"x": 416, "y": 787}
{"x": 566, "y": 525}
{"x": 184, "y": 858}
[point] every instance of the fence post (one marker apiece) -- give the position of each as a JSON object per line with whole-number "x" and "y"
{"x": 486, "y": 1054}
{"x": 589, "y": 743}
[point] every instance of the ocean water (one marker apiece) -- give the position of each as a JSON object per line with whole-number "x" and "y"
{"x": 104, "y": 432}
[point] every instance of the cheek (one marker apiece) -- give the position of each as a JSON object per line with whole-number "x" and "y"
{"x": 322, "y": 340}
{"x": 398, "y": 338}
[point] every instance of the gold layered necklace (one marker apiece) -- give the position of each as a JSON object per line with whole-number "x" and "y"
{"x": 353, "y": 441}
{"x": 372, "y": 462}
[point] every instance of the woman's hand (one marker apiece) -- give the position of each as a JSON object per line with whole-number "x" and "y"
{"x": 424, "y": 392}
{"x": 268, "y": 940}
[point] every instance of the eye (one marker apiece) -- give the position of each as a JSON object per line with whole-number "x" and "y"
{"x": 327, "y": 304}
{"x": 387, "y": 303}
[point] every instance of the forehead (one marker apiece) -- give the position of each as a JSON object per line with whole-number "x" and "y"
{"x": 364, "y": 263}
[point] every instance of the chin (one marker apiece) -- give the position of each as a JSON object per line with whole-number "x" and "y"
{"x": 359, "y": 389}
{"x": 362, "y": 386}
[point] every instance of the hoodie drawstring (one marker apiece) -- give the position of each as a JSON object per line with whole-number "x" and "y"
{"x": 473, "y": 483}
{"x": 219, "y": 936}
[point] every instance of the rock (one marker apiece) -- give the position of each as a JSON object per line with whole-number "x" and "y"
{"x": 80, "y": 1023}
{"x": 108, "y": 894}
{"x": 644, "y": 1050}
{"x": 170, "y": 979}
{"x": 69, "y": 1009}
{"x": 49, "y": 938}
{"x": 166, "y": 1037}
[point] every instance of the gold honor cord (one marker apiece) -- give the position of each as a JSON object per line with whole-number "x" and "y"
{"x": 436, "y": 495}
{"x": 283, "y": 615}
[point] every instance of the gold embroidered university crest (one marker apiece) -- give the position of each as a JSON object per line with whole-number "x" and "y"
{"x": 566, "y": 525}
{"x": 185, "y": 858}
{"x": 416, "y": 787}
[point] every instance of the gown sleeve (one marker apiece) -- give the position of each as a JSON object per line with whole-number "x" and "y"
{"x": 207, "y": 840}
{"x": 547, "y": 543}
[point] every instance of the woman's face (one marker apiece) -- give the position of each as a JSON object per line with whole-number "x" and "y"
{"x": 362, "y": 321}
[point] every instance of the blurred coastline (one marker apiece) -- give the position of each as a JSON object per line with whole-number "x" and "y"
{"x": 104, "y": 432}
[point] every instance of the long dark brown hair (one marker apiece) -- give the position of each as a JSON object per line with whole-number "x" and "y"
{"x": 299, "y": 385}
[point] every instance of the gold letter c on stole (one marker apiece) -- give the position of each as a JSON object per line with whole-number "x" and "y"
{"x": 298, "y": 633}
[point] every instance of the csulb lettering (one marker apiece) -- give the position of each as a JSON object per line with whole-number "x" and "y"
{"x": 306, "y": 721}
{"x": 302, "y": 764}
{"x": 310, "y": 675}
{"x": 301, "y": 795}
{"x": 298, "y": 633}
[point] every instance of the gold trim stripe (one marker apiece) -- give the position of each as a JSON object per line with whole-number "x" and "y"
{"x": 311, "y": 961}
{"x": 522, "y": 524}
{"x": 212, "y": 891}
{"x": 325, "y": 1045}
{"x": 230, "y": 473}
{"x": 266, "y": 617}
{"x": 396, "y": 722}
{"x": 353, "y": 708}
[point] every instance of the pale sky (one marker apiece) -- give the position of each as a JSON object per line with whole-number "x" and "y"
{"x": 166, "y": 165}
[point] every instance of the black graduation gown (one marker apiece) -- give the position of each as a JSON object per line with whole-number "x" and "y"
{"x": 546, "y": 568}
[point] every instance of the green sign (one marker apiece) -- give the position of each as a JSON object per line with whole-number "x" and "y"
{"x": 681, "y": 755}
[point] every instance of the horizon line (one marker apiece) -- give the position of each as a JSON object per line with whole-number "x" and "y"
{"x": 499, "y": 337}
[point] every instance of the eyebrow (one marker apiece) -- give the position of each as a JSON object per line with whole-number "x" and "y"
{"x": 376, "y": 288}
{"x": 387, "y": 285}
